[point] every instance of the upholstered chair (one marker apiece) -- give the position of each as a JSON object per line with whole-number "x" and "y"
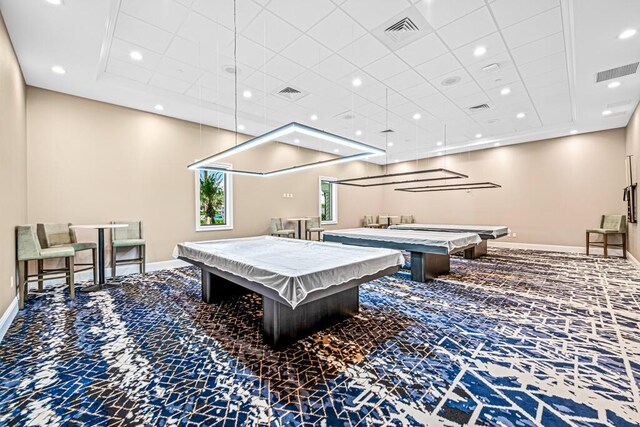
{"x": 406, "y": 219}
{"x": 29, "y": 249}
{"x": 313, "y": 225}
{"x": 129, "y": 237}
{"x": 368, "y": 222}
{"x": 62, "y": 236}
{"x": 610, "y": 226}
{"x": 277, "y": 228}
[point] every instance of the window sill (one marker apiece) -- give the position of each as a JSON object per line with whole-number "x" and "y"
{"x": 215, "y": 228}
{"x": 328, "y": 222}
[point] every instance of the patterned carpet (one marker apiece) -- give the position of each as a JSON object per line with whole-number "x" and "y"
{"x": 515, "y": 338}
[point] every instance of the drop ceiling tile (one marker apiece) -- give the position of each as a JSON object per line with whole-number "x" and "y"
{"x": 509, "y": 12}
{"x": 270, "y": 31}
{"x": 467, "y": 101}
{"x": 431, "y": 102}
{"x": 493, "y": 43}
{"x": 467, "y": 29}
{"x": 184, "y": 50}
{"x": 282, "y": 68}
{"x": 364, "y": 51}
{"x": 540, "y": 26}
{"x": 335, "y": 68}
{"x": 186, "y": 3}
{"x": 442, "y": 12}
{"x": 422, "y": 50}
{"x": 169, "y": 83}
{"x": 336, "y": 30}
{"x": 252, "y": 54}
{"x": 543, "y": 65}
{"x": 306, "y": 52}
{"x": 214, "y": 81}
{"x": 179, "y": 70}
{"x": 120, "y": 50}
{"x": 421, "y": 90}
{"x": 263, "y": 81}
{"x": 199, "y": 28}
{"x": 497, "y": 80}
{"x": 386, "y": 67}
{"x": 302, "y": 14}
{"x": 371, "y": 13}
{"x": 441, "y": 66}
{"x": 538, "y": 49}
{"x": 465, "y": 88}
{"x": 551, "y": 77}
{"x": 221, "y": 11}
{"x": 128, "y": 71}
{"x": 404, "y": 80}
{"x": 142, "y": 34}
{"x": 165, "y": 14}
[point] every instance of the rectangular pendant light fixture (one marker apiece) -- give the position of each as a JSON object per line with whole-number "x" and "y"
{"x": 450, "y": 187}
{"x": 274, "y": 135}
{"x": 362, "y": 181}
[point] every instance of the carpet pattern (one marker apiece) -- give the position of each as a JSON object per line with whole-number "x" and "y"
{"x": 517, "y": 338}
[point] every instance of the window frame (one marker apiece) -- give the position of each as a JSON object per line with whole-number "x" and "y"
{"x": 228, "y": 201}
{"x": 334, "y": 200}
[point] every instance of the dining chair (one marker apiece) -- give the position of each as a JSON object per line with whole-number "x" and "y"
{"x": 610, "y": 226}
{"x": 406, "y": 219}
{"x": 129, "y": 237}
{"x": 29, "y": 249}
{"x": 368, "y": 222}
{"x": 313, "y": 225}
{"x": 62, "y": 236}
{"x": 277, "y": 228}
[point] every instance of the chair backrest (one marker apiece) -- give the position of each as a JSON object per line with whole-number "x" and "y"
{"x": 28, "y": 246}
{"x": 368, "y": 219}
{"x": 313, "y": 222}
{"x": 276, "y": 224}
{"x": 614, "y": 222}
{"x": 51, "y": 235}
{"x": 132, "y": 231}
{"x": 406, "y": 219}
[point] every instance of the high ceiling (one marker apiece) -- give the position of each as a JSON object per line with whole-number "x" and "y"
{"x": 545, "y": 52}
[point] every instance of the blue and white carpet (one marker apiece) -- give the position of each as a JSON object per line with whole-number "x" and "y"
{"x": 515, "y": 338}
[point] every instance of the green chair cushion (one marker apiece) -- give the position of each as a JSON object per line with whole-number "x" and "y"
{"x": 128, "y": 243}
{"x": 284, "y": 232}
{"x": 314, "y": 229}
{"x": 78, "y": 247}
{"x": 604, "y": 231}
{"x": 55, "y": 253}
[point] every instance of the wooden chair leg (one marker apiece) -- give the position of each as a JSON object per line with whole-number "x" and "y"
{"x": 23, "y": 268}
{"x": 624, "y": 245}
{"x": 68, "y": 261}
{"x": 587, "y": 243}
{"x": 94, "y": 255}
{"x": 606, "y": 243}
{"x": 40, "y": 279}
{"x": 72, "y": 277}
{"x": 143, "y": 250}
{"x": 113, "y": 262}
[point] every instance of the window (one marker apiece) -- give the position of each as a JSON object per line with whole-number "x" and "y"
{"x": 328, "y": 200}
{"x": 214, "y": 201}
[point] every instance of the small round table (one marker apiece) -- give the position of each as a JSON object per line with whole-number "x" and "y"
{"x": 100, "y": 228}
{"x": 300, "y": 220}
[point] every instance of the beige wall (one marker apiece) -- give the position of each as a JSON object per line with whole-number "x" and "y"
{"x": 13, "y": 175}
{"x": 633, "y": 148}
{"x": 551, "y": 191}
{"x": 95, "y": 162}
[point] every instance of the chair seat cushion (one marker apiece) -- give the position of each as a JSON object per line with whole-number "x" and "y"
{"x": 314, "y": 229}
{"x": 603, "y": 231}
{"x": 284, "y": 232}
{"x": 56, "y": 253}
{"x": 82, "y": 246}
{"x": 127, "y": 243}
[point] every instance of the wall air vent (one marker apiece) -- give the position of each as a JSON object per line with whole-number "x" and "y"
{"x": 618, "y": 72}
{"x": 402, "y": 29}
{"x": 290, "y": 93}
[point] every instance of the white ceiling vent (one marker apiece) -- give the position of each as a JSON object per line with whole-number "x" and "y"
{"x": 387, "y": 131}
{"x": 479, "y": 107}
{"x": 290, "y": 93}
{"x": 618, "y": 72}
{"x": 404, "y": 28}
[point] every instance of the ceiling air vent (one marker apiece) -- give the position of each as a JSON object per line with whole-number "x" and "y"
{"x": 290, "y": 93}
{"x": 402, "y": 29}
{"x": 387, "y": 131}
{"x": 615, "y": 73}
{"x": 480, "y": 107}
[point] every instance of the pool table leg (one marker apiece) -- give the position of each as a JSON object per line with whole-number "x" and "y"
{"x": 477, "y": 251}
{"x": 216, "y": 288}
{"x": 428, "y": 266}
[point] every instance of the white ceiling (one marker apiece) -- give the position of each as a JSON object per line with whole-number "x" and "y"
{"x": 548, "y": 52}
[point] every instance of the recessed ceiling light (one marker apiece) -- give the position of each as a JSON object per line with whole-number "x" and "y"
{"x": 396, "y": 161}
{"x": 55, "y": 2}
{"x": 607, "y": 112}
{"x": 478, "y": 135}
{"x": 247, "y": 94}
{"x": 479, "y": 51}
{"x": 314, "y": 117}
{"x": 520, "y": 115}
{"x": 159, "y": 107}
{"x": 389, "y": 144}
{"x": 356, "y": 82}
{"x": 417, "y": 116}
{"x": 358, "y": 132}
{"x": 135, "y": 55}
{"x": 496, "y": 144}
{"x": 58, "y": 69}
{"x": 628, "y": 33}
{"x": 240, "y": 127}
{"x": 613, "y": 85}
{"x": 336, "y": 151}
{"x": 439, "y": 153}
{"x": 505, "y": 91}
{"x": 439, "y": 143}
{"x": 573, "y": 132}
{"x": 297, "y": 141}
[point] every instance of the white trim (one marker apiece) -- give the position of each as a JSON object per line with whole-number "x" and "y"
{"x": 334, "y": 200}
{"x": 228, "y": 201}
{"x": 633, "y": 260}
{"x": 552, "y": 248}
{"x": 8, "y": 316}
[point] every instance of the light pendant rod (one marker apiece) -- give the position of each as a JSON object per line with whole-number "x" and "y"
{"x": 356, "y": 182}
{"x": 450, "y": 187}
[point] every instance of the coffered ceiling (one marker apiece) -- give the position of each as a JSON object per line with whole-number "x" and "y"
{"x": 527, "y": 66}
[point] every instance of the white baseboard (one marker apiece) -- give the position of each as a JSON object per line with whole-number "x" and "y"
{"x": 633, "y": 260}
{"x": 8, "y": 316}
{"x": 553, "y": 248}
